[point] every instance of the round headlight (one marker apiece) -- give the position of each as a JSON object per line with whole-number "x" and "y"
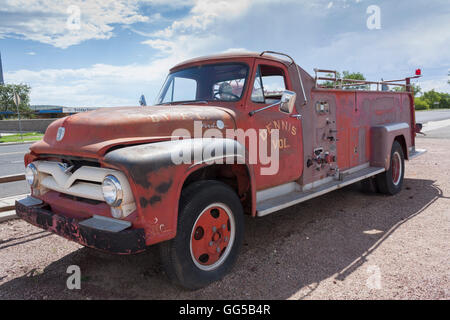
{"x": 31, "y": 174}
{"x": 112, "y": 191}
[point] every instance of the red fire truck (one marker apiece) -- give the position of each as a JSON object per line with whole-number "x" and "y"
{"x": 229, "y": 135}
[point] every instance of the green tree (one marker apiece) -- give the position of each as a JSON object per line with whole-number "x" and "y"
{"x": 415, "y": 87}
{"x": 433, "y": 98}
{"x": 421, "y": 104}
{"x": 7, "y": 99}
{"x": 346, "y": 75}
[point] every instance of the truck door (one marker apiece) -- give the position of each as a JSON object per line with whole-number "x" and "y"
{"x": 267, "y": 83}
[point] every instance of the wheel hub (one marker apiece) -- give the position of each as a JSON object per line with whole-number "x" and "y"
{"x": 396, "y": 166}
{"x": 212, "y": 235}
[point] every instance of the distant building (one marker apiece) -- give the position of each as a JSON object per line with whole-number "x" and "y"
{"x": 49, "y": 111}
{"x": 1, "y": 70}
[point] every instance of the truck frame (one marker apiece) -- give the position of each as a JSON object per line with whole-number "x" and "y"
{"x": 122, "y": 179}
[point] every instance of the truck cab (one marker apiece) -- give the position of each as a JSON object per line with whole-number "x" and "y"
{"x": 229, "y": 135}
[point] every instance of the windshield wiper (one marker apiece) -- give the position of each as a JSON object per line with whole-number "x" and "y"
{"x": 195, "y": 101}
{"x": 179, "y": 102}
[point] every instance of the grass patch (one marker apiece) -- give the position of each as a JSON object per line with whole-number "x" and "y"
{"x": 29, "y": 136}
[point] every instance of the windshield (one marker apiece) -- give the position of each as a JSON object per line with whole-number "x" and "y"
{"x": 218, "y": 82}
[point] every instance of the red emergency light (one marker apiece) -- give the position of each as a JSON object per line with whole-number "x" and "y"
{"x": 418, "y": 72}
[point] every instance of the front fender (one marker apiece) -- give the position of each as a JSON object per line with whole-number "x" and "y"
{"x": 157, "y": 171}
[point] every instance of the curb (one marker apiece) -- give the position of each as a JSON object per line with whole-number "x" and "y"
{"x": 8, "y": 215}
{"x": 14, "y": 143}
{"x": 7, "y": 207}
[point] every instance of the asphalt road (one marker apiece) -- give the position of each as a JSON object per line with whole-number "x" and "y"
{"x": 343, "y": 245}
{"x": 432, "y": 115}
{"x": 11, "y": 162}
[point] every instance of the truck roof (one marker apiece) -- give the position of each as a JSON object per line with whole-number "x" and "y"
{"x": 229, "y": 55}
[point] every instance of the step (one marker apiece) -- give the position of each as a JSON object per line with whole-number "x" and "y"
{"x": 274, "y": 204}
{"x": 415, "y": 153}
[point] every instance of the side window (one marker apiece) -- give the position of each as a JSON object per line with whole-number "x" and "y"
{"x": 269, "y": 85}
{"x": 273, "y": 88}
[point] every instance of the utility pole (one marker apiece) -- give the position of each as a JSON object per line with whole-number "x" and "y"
{"x": 1, "y": 77}
{"x": 17, "y": 101}
{"x": 1, "y": 71}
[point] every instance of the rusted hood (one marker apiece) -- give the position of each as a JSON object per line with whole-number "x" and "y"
{"x": 91, "y": 134}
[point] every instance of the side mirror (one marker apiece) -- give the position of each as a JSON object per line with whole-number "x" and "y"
{"x": 287, "y": 102}
{"x": 142, "y": 101}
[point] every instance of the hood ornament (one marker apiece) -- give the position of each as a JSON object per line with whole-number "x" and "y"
{"x": 60, "y": 133}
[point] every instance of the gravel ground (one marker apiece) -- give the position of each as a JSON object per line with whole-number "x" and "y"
{"x": 344, "y": 245}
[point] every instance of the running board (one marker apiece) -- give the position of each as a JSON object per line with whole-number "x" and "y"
{"x": 289, "y": 199}
{"x": 415, "y": 153}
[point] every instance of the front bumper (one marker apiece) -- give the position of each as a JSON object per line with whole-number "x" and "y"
{"x": 122, "y": 242}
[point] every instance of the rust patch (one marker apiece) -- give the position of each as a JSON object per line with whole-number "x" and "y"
{"x": 124, "y": 242}
{"x": 164, "y": 187}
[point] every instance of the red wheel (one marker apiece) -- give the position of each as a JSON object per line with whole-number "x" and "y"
{"x": 391, "y": 181}
{"x": 396, "y": 165}
{"x": 212, "y": 236}
{"x": 209, "y": 235}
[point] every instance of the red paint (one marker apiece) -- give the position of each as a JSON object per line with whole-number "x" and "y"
{"x": 210, "y": 236}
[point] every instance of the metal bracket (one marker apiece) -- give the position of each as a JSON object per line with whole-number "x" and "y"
{"x": 296, "y": 66}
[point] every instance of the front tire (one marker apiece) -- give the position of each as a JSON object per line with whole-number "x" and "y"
{"x": 391, "y": 181}
{"x": 209, "y": 235}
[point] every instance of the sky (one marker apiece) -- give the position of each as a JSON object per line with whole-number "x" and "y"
{"x": 108, "y": 53}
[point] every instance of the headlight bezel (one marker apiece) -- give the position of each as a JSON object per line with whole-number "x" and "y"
{"x": 115, "y": 199}
{"x": 34, "y": 174}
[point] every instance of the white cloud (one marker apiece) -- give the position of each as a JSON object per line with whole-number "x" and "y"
{"x": 47, "y": 21}
{"x": 439, "y": 85}
{"x": 396, "y": 52}
{"x": 98, "y": 85}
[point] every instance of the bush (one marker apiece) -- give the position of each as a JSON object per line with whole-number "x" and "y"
{"x": 421, "y": 104}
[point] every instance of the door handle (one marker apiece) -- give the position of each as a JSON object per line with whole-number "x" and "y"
{"x": 297, "y": 116}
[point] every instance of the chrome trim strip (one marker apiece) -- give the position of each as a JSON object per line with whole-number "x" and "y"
{"x": 394, "y": 126}
{"x": 416, "y": 153}
{"x": 298, "y": 197}
{"x": 105, "y": 223}
{"x": 276, "y": 191}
